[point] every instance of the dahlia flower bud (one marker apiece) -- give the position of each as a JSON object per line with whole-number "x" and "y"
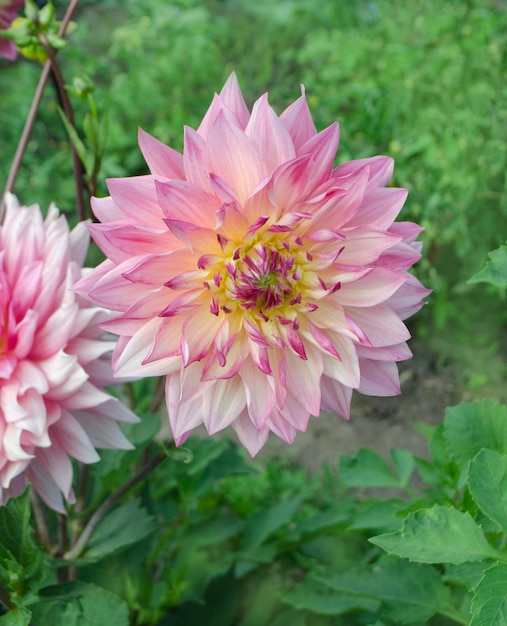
{"x": 54, "y": 360}
{"x": 264, "y": 283}
{"x": 8, "y": 13}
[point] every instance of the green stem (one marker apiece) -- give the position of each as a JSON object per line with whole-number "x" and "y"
{"x": 455, "y": 615}
{"x": 80, "y": 544}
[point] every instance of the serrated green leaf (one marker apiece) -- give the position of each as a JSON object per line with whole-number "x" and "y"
{"x": 366, "y": 469}
{"x": 495, "y": 271}
{"x": 487, "y": 479}
{"x": 17, "y": 617}
{"x": 19, "y": 554}
{"x": 467, "y": 574}
{"x": 438, "y": 535}
{"x": 489, "y": 604}
{"x": 471, "y": 426}
{"x": 80, "y": 604}
{"x": 410, "y": 592}
{"x": 121, "y": 528}
{"x": 318, "y": 597}
{"x": 264, "y": 523}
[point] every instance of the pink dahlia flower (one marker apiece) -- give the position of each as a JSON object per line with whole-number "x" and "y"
{"x": 264, "y": 283}
{"x": 8, "y": 13}
{"x": 54, "y": 362}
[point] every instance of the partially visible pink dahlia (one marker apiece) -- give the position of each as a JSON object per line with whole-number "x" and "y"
{"x": 8, "y": 13}
{"x": 54, "y": 362}
{"x": 262, "y": 282}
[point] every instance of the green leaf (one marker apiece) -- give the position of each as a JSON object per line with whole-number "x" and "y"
{"x": 438, "y": 535}
{"x": 487, "y": 479}
{"x": 495, "y": 271}
{"x": 410, "y": 592}
{"x": 16, "y": 617}
{"x": 489, "y": 604}
{"x": 85, "y": 157}
{"x": 319, "y": 597}
{"x": 475, "y": 425}
{"x": 80, "y": 604}
{"x": 264, "y": 523}
{"x": 404, "y": 463}
{"x": 366, "y": 469}
{"x": 20, "y": 556}
{"x": 379, "y": 515}
{"x": 121, "y": 528}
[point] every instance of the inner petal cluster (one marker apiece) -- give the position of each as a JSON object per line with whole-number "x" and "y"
{"x": 262, "y": 278}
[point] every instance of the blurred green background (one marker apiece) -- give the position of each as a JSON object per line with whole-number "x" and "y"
{"x": 423, "y": 81}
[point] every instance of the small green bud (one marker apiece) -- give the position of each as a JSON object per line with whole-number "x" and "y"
{"x": 46, "y": 14}
{"x": 55, "y": 41}
{"x": 31, "y": 11}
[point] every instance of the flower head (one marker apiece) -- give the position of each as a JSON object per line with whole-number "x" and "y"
{"x": 8, "y": 13}
{"x": 264, "y": 283}
{"x": 54, "y": 361}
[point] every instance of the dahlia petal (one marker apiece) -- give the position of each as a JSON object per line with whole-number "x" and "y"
{"x": 106, "y": 210}
{"x": 399, "y": 352}
{"x": 380, "y": 207}
{"x": 374, "y": 288}
{"x": 335, "y": 397}
{"x": 380, "y": 324}
{"x": 379, "y": 378}
{"x": 117, "y": 240}
{"x": 322, "y": 148}
{"x": 131, "y": 363}
{"x": 260, "y": 398}
{"x": 46, "y": 487}
{"x": 304, "y": 379}
{"x": 345, "y": 369}
{"x": 269, "y": 135}
{"x": 58, "y": 466}
{"x": 281, "y": 427}
{"x": 115, "y": 291}
{"x": 79, "y": 241}
{"x": 25, "y": 332}
{"x": 197, "y": 335}
{"x": 73, "y": 440}
{"x": 185, "y": 201}
{"x": 236, "y": 159}
{"x": 222, "y": 404}
{"x": 293, "y": 412}
{"x": 156, "y": 269}
{"x": 161, "y": 159}
{"x": 409, "y": 298}
{"x": 365, "y": 246}
{"x": 298, "y": 121}
{"x": 380, "y": 169}
{"x": 183, "y": 416}
{"x": 196, "y": 162}
{"x": 137, "y": 199}
{"x": 103, "y": 433}
{"x": 166, "y": 342}
{"x": 236, "y": 357}
{"x": 233, "y": 99}
{"x": 250, "y": 437}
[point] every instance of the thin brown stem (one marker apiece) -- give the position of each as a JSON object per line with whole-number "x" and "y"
{"x": 80, "y": 544}
{"x": 30, "y": 120}
{"x": 69, "y": 113}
